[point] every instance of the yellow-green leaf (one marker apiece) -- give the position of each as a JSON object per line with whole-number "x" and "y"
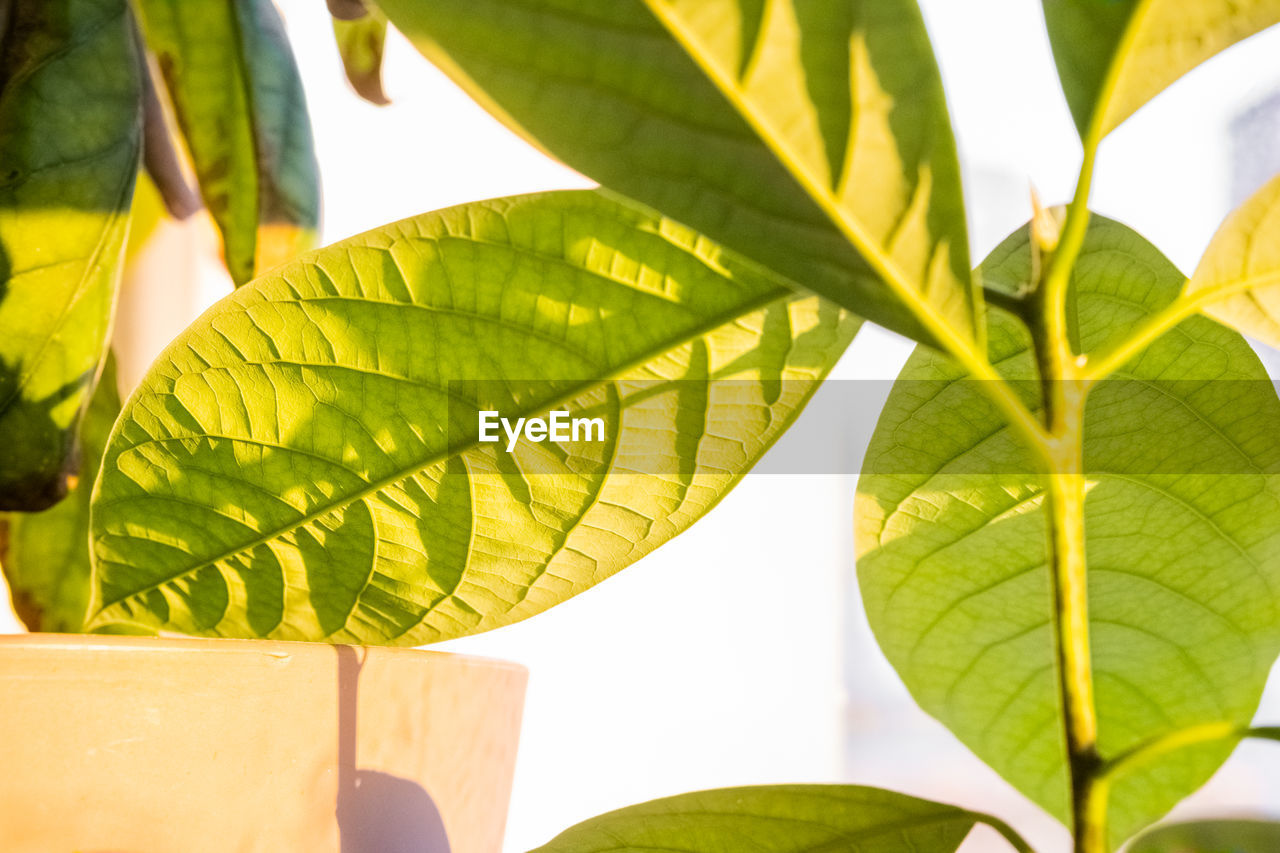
{"x": 810, "y": 136}
{"x": 360, "y": 44}
{"x": 240, "y": 106}
{"x": 1182, "y": 526}
{"x": 1115, "y": 55}
{"x": 304, "y": 462}
{"x": 70, "y": 130}
{"x": 1238, "y": 279}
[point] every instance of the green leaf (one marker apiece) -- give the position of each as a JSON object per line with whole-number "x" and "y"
{"x": 1238, "y": 279}
{"x": 1182, "y": 533}
{"x": 777, "y": 819}
{"x": 70, "y": 130}
{"x": 810, "y": 136}
{"x": 1211, "y": 836}
{"x": 240, "y": 106}
{"x": 302, "y": 463}
{"x": 360, "y": 43}
{"x": 1115, "y": 55}
{"x": 45, "y": 555}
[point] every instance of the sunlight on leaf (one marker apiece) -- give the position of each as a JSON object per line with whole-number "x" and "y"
{"x": 66, "y": 180}
{"x": 1182, "y": 533}
{"x": 303, "y": 462}
{"x": 1238, "y": 278}
{"x": 810, "y": 136}
{"x": 1115, "y": 55}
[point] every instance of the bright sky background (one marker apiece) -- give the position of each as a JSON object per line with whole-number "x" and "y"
{"x": 737, "y": 654}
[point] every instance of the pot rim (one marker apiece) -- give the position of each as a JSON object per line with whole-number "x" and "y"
{"x": 119, "y": 643}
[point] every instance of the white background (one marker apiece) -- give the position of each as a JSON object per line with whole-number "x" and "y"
{"x": 737, "y": 654}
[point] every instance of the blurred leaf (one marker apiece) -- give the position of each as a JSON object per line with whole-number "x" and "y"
{"x": 303, "y": 463}
{"x": 360, "y": 43}
{"x": 1182, "y": 526}
{"x": 1239, "y": 275}
{"x": 1211, "y": 836}
{"x": 1115, "y": 55}
{"x": 70, "y": 126}
{"x": 775, "y": 819}
{"x": 812, "y": 137}
{"x": 45, "y": 555}
{"x": 240, "y": 106}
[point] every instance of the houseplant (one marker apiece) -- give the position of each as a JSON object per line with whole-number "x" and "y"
{"x": 305, "y": 461}
{"x": 181, "y": 744}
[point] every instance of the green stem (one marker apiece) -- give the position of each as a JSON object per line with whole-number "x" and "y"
{"x": 1065, "y": 503}
{"x": 1064, "y": 401}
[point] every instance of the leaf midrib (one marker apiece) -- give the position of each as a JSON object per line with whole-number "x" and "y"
{"x": 882, "y": 264}
{"x": 757, "y": 303}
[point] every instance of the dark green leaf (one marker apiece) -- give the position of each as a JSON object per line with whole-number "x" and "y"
{"x": 810, "y": 136}
{"x": 239, "y": 103}
{"x": 70, "y": 127}
{"x": 45, "y": 555}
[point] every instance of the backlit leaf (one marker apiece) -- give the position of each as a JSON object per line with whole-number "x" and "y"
{"x": 1238, "y": 279}
{"x": 1115, "y": 55}
{"x": 303, "y": 462}
{"x": 810, "y": 136}
{"x": 239, "y": 103}
{"x": 1182, "y": 535}
{"x": 70, "y": 129}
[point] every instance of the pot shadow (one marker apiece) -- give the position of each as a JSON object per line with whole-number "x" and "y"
{"x": 377, "y": 812}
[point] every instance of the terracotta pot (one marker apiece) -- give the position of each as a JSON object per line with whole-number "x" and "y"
{"x": 143, "y": 745}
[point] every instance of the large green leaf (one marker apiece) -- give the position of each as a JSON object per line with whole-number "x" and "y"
{"x": 1211, "y": 836}
{"x": 1115, "y": 55}
{"x": 776, "y": 819}
{"x": 810, "y": 136}
{"x": 302, "y": 463}
{"x": 239, "y": 102}
{"x": 70, "y": 129}
{"x": 1182, "y": 535}
{"x": 1238, "y": 279}
{"x": 45, "y": 555}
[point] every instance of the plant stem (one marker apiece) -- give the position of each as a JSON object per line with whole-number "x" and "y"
{"x": 1065, "y": 504}
{"x": 1064, "y": 400}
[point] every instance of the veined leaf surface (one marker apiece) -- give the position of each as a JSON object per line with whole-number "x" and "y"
{"x": 45, "y": 555}
{"x": 70, "y": 130}
{"x": 1238, "y": 279}
{"x": 1115, "y": 55}
{"x": 775, "y": 819}
{"x": 239, "y": 103}
{"x": 810, "y": 136}
{"x": 302, "y": 462}
{"x": 1182, "y": 536}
